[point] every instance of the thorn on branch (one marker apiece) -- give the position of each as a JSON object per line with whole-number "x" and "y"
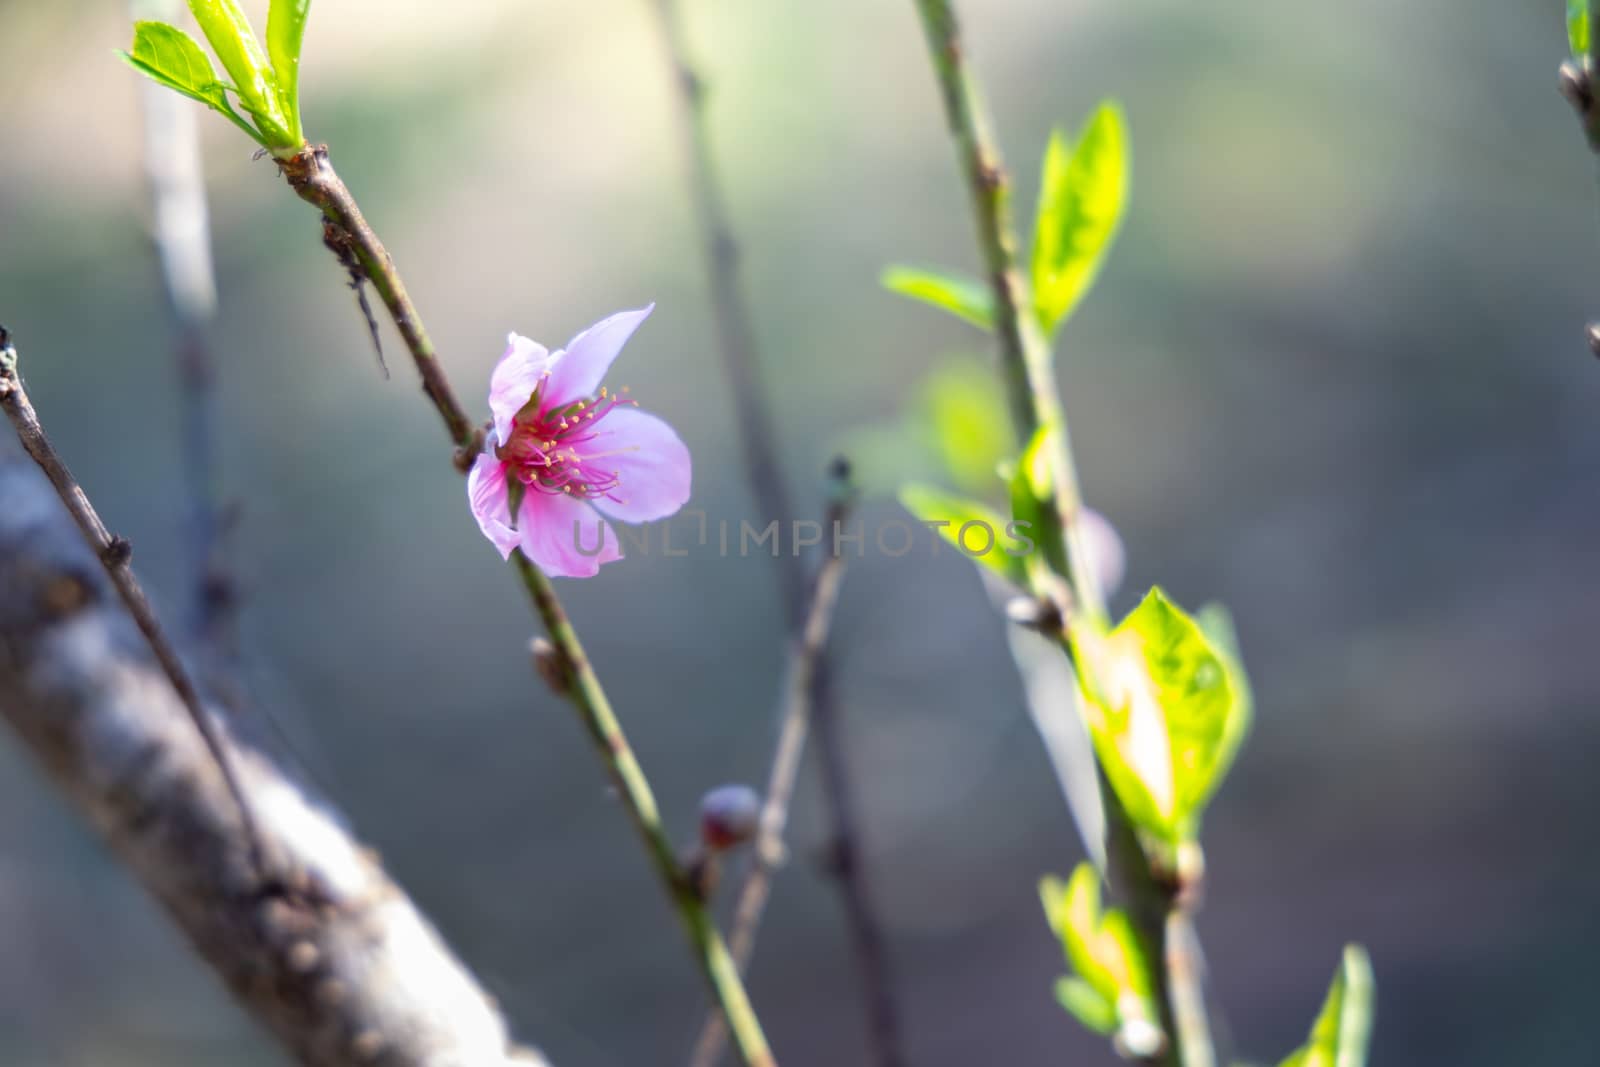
{"x": 340, "y": 243}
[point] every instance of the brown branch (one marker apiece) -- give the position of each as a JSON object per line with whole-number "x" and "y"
{"x": 1155, "y": 899}
{"x": 357, "y": 247}
{"x": 114, "y": 554}
{"x": 340, "y": 965}
{"x": 765, "y": 478}
{"x": 795, "y": 712}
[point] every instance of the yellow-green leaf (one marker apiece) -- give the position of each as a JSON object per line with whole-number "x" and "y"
{"x": 962, "y": 409}
{"x": 966, "y": 298}
{"x": 1343, "y": 1030}
{"x": 1166, "y": 713}
{"x": 1083, "y": 192}
{"x": 977, "y": 530}
{"x": 1103, "y": 951}
{"x": 286, "y": 30}
{"x": 234, "y": 42}
{"x": 1578, "y": 27}
{"x": 1086, "y": 1004}
{"x": 172, "y": 58}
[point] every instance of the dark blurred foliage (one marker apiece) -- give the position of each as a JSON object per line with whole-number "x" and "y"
{"x": 1334, "y": 376}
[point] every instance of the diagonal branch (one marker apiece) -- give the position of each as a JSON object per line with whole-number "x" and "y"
{"x": 347, "y": 235}
{"x": 1158, "y": 901}
{"x": 340, "y": 965}
{"x": 765, "y": 479}
{"x": 114, "y": 554}
{"x": 795, "y": 713}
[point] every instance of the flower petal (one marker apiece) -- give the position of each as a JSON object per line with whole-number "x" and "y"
{"x": 577, "y": 371}
{"x": 486, "y": 493}
{"x": 1105, "y": 549}
{"x": 565, "y": 537}
{"x": 516, "y": 376}
{"x": 649, "y": 459}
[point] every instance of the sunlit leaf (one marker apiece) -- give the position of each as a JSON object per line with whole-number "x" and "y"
{"x": 976, "y": 529}
{"x": 964, "y": 297}
{"x": 1086, "y": 1004}
{"x": 1103, "y": 951}
{"x": 1343, "y": 1030}
{"x": 234, "y": 42}
{"x": 1578, "y": 27}
{"x": 1166, "y": 713}
{"x": 964, "y": 413}
{"x": 286, "y": 29}
{"x": 1031, "y": 491}
{"x": 172, "y": 58}
{"x": 1083, "y": 192}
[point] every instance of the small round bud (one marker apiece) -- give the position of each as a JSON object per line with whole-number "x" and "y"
{"x": 1593, "y": 335}
{"x": 1106, "y": 553}
{"x": 551, "y": 665}
{"x": 1138, "y": 1039}
{"x": 1031, "y": 612}
{"x": 730, "y": 815}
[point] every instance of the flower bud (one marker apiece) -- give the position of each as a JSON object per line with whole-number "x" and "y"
{"x": 730, "y": 815}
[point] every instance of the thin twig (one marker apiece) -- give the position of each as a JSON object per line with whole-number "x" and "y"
{"x": 313, "y": 178}
{"x": 180, "y": 232}
{"x": 767, "y": 484}
{"x": 340, "y": 965}
{"x": 114, "y": 554}
{"x": 1153, "y": 898}
{"x": 794, "y": 723}
{"x": 1185, "y": 970}
{"x": 563, "y": 665}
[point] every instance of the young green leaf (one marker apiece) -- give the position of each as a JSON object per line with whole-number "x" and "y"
{"x": 1166, "y": 716}
{"x": 1104, "y": 952}
{"x": 172, "y": 58}
{"x": 1082, "y": 194}
{"x": 974, "y": 528}
{"x": 235, "y": 44}
{"x": 1086, "y": 1004}
{"x": 1343, "y": 1030}
{"x": 286, "y": 30}
{"x": 966, "y": 298}
{"x": 962, "y": 409}
{"x": 1578, "y": 27}
{"x": 1031, "y": 488}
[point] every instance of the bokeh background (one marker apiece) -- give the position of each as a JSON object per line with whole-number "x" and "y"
{"x": 1334, "y": 376}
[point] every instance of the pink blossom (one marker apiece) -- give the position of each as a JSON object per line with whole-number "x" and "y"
{"x": 565, "y": 450}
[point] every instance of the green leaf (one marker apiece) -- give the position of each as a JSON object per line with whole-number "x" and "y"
{"x": 974, "y": 528}
{"x": 1086, "y": 1004}
{"x": 286, "y": 30}
{"x": 1032, "y": 487}
{"x": 1343, "y": 1030}
{"x": 964, "y": 297}
{"x": 962, "y": 409}
{"x": 1083, "y": 192}
{"x": 1102, "y": 949}
{"x": 172, "y": 58}
{"x": 235, "y": 44}
{"x": 1216, "y": 622}
{"x": 1578, "y": 27}
{"x": 1072, "y": 908}
{"x": 1166, "y": 715}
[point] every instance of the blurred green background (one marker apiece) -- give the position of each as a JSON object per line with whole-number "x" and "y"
{"x": 1334, "y": 375}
